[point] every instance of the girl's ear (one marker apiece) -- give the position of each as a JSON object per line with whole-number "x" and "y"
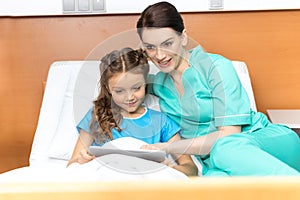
{"x": 184, "y": 38}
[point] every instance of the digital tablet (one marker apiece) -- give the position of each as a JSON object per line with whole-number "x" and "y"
{"x": 154, "y": 155}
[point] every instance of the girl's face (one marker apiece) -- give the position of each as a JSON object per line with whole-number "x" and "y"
{"x": 164, "y": 47}
{"x": 128, "y": 92}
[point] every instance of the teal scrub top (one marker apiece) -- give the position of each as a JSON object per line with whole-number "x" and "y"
{"x": 213, "y": 96}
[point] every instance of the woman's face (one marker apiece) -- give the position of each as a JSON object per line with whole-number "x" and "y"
{"x": 164, "y": 47}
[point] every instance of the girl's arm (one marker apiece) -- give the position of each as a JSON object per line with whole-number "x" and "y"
{"x": 80, "y": 153}
{"x": 185, "y": 162}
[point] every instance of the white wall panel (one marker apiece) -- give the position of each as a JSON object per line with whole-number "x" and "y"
{"x": 54, "y": 7}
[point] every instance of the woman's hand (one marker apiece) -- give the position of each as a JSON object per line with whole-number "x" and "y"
{"x": 156, "y": 146}
{"x": 159, "y": 146}
{"x": 182, "y": 163}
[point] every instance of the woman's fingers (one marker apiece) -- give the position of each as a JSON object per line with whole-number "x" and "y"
{"x": 156, "y": 146}
{"x": 150, "y": 147}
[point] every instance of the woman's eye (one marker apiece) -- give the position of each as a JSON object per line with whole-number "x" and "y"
{"x": 167, "y": 44}
{"x": 150, "y": 47}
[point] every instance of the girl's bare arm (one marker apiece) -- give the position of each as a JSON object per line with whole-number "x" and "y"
{"x": 80, "y": 153}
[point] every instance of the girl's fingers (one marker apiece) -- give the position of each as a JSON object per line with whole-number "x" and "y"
{"x": 168, "y": 163}
{"x": 84, "y": 157}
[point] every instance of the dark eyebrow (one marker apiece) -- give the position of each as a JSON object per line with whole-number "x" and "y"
{"x": 145, "y": 43}
{"x": 167, "y": 40}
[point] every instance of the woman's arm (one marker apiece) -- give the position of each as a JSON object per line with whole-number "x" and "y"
{"x": 196, "y": 146}
{"x": 80, "y": 153}
{"x": 185, "y": 163}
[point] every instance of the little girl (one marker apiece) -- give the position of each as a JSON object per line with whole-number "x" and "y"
{"x": 118, "y": 110}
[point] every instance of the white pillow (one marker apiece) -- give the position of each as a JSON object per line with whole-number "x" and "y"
{"x": 77, "y": 101}
{"x": 49, "y": 112}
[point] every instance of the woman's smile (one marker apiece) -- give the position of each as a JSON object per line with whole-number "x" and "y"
{"x": 165, "y": 63}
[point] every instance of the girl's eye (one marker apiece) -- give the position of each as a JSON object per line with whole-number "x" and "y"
{"x": 137, "y": 88}
{"x": 118, "y": 91}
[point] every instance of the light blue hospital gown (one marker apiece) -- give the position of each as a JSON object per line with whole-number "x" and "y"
{"x": 151, "y": 127}
{"x": 214, "y": 96}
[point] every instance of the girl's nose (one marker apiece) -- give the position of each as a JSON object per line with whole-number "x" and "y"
{"x": 130, "y": 96}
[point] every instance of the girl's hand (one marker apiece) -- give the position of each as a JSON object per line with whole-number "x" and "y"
{"x": 84, "y": 157}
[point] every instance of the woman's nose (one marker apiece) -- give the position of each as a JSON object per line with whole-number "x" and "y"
{"x": 160, "y": 54}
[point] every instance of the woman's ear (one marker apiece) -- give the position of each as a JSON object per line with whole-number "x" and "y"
{"x": 184, "y": 38}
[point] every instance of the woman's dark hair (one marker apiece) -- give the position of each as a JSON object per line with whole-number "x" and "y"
{"x": 106, "y": 114}
{"x": 160, "y": 15}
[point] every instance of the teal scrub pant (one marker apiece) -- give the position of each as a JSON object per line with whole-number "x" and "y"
{"x": 270, "y": 151}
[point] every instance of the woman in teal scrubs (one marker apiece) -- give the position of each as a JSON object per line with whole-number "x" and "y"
{"x": 203, "y": 94}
